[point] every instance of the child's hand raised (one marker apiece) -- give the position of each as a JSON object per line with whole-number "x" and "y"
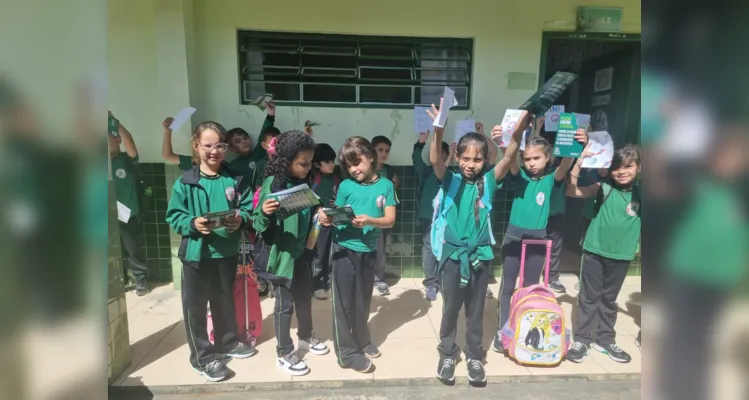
{"x": 434, "y": 112}
{"x": 167, "y": 124}
{"x": 203, "y": 225}
{"x": 423, "y": 137}
{"x": 271, "y": 108}
{"x": 497, "y": 134}
{"x": 270, "y": 206}
{"x": 581, "y": 136}
{"x": 361, "y": 221}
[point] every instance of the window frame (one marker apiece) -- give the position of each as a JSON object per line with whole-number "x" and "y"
{"x": 245, "y": 37}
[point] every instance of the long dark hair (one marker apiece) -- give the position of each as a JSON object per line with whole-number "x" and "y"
{"x": 469, "y": 140}
{"x": 288, "y": 145}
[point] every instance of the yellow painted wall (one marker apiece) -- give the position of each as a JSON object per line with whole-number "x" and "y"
{"x": 507, "y": 39}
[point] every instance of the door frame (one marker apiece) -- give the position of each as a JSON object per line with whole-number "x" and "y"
{"x": 598, "y": 36}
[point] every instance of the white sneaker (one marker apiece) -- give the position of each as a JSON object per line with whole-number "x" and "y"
{"x": 321, "y": 294}
{"x": 314, "y": 346}
{"x": 292, "y": 364}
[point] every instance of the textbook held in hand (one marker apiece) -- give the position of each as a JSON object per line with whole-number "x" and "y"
{"x": 340, "y": 215}
{"x": 294, "y": 200}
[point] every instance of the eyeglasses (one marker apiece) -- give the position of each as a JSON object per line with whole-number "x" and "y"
{"x": 220, "y": 147}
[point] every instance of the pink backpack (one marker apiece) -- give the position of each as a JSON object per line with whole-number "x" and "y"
{"x": 536, "y": 332}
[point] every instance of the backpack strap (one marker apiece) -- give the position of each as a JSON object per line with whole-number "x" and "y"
{"x": 316, "y": 179}
{"x": 603, "y": 194}
{"x": 452, "y": 191}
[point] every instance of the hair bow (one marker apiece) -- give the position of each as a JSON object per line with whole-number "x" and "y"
{"x": 272, "y": 146}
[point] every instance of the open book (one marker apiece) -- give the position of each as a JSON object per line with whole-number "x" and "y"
{"x": 294, "y": 200}
{"x": 340, "y": 215}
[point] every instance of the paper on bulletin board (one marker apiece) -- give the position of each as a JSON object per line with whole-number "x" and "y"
{"x": 551, "y": 123}
{"x": 601, "y": 150}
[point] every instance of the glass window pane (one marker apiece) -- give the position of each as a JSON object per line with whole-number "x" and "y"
{"x": 389, "y": 74}
{"x": 280, "y": 91}
{"x": 385, "y": 94}
{"x": 386, "y": 51}
{"x": 329, "y": 93}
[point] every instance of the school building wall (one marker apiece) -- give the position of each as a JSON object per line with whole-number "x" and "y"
{"x": 167, "y": 54}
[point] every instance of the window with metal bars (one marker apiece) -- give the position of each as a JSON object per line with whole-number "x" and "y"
{"x": 345, "y": 70}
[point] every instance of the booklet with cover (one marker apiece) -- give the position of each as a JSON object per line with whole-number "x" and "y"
{"x": 340, "y": 215}
{"x": 294, "y": 200}
{"x": 218, "y": 218}
{"x": 544, "y": 98}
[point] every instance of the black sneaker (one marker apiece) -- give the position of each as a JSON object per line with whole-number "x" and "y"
{"x": 489, "y": 293}
{"x": 497, "y": 345}
{"x": 614, "y": 352}
{"x": 215, "y": 371}
{"x": 314, "y": 346}
{"x": 557, "y": 287}
{"x": 371, "y": 351}
{"x": 241, "y": 350}
{"x": 362, "y": 365}
{"x": 476, "y": 372}
{"x": 382, "y": 288}
{"x": 577, "y": 352}
{"x": 446, "y": 371}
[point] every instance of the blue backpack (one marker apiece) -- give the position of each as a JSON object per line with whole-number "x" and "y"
{"x": 442, "y": 204}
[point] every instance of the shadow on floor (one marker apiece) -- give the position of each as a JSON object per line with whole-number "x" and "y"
{"x": 396, "y": 310}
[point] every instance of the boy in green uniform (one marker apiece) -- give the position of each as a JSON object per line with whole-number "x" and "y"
{"x": 610, "y": 245}
{"x": 429, "y": 186}
{"x": 125, "y": 173}
{"x": 382, "y": 146}
{"x": 325, "y": 184}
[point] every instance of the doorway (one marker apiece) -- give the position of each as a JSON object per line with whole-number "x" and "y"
{"x": 608, "y": 89}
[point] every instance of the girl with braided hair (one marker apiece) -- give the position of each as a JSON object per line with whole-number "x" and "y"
{"x": 466, "y": 251}
{"x": 281, "y": 254}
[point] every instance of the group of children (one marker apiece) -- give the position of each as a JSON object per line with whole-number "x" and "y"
{"x": 350, "y": 258}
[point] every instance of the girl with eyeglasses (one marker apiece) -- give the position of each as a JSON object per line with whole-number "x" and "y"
{"x": 209, "y": 249}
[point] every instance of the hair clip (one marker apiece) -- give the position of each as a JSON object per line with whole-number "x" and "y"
{"x": 272, "y": 146}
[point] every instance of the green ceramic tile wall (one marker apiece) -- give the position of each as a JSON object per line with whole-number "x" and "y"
{"x": 154, "y": 231}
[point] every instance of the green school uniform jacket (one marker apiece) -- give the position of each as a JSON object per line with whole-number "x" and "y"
{"x": 710, "y": 245}
{"x": 124, "y": 172}
{"x": 280, "y": 242}
{"x": 531, "y": 203}
{"x": 365, "y": 199}
{"x": 427, "y": 182}
{"x": 614, "y": 231}
{"x": 327, "y": 187}
{"x": 194, "y": 195}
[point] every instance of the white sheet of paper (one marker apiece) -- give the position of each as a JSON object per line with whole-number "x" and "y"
{"x": 463, "y": 127}
{"x": 422, "y": 120}
{"x": 551, "y": 123}
{"x": 583, "y": 121}
{"x": 182, "y": 116}
{"x": 526, "y": 135}
{"x": 123, "y": 213}
{"x": 602, "y": 148}
{"x": 448, "y": 102}
{"x": 509, "y": 121}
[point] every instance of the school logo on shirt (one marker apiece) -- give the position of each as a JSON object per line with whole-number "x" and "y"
{"x": 633, "y": 208}
{"x": 120, "y": 173}
{"x": 229, "y": 193}
{"x": 252, "y": 164}
{"x": 381, "y": 201}
{"x": 540, "y": 198}
{"x": 481, "y": 204}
